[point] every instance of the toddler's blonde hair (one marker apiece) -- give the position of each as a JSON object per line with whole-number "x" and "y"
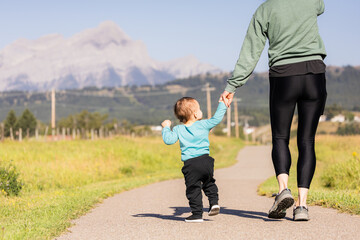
{"x": 184, "y": 108}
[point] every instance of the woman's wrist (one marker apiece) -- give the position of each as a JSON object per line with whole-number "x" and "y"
{"x": 229, "y": 88}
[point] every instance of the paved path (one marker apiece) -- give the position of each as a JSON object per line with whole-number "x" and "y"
{"x": 157, "y": 211}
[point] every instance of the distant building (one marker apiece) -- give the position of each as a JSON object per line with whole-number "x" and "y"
{"x": 322, "y": 118}
{"x": 338, "y": 118}
{"x": 156, "y": 128}
{"x": 248, "y": 130}
{"x": 357, "y": 119}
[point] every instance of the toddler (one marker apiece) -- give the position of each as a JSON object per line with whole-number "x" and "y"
{"x": 198, "y": 168}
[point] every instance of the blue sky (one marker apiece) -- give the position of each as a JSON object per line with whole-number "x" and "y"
{"x": 211, "y": 30}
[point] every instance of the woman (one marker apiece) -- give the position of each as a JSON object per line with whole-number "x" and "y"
{"x": 297, "y": 77}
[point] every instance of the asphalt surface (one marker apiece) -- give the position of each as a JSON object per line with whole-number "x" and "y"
{"x": 157, "y": 211}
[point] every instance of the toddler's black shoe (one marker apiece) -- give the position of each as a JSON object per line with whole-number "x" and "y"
{"x": 214, "y": 210}
{"x": 194, "y": 219}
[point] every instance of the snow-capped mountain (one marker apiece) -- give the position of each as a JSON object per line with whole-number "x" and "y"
{"x": 102, "y": 56}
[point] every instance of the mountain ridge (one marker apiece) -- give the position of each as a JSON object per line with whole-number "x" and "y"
{"x": 101, "y": 56}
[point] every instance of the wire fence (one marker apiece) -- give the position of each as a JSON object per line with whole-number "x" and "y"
{"x": 56, "y": 134}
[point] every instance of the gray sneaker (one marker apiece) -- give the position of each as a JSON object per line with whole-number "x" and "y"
{"x": 301, "y": 213}
{"x": 283, "y": 201}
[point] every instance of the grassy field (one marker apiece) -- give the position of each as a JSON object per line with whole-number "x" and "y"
{"x": 65, "y": 179}
{"x": 336, "y": 182}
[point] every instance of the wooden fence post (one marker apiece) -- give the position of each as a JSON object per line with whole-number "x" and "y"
{"x": 63, "y": 133}
{"x": 57, "y": 133}
{"x": 36, "y": 133}
{"x": 53, "y": 134}
{"x": 11, "y": 134}
{"x": 20, "y": 134}
{"x": 101, "y": 130}
{"x": 116, "y": 128}
{"x": 2, "y": 132}
{"x": 46, "y": 133}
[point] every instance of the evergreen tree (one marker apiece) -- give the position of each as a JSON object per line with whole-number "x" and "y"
{"x": 27, "y": 121}
{"x": 68, "y": 122}
{"x": 10, "y": 122}
{"x": 83, "y": 120}
{"x": 96, "y": 120}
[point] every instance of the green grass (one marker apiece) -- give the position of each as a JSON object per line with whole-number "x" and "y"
{"x": 336, "y": 182}
{"x": 65, "y": 179}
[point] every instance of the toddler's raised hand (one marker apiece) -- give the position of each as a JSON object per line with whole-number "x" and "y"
{"x": 166, "y": 123}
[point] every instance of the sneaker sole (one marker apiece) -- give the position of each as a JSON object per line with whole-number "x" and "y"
{"x": 214, "y": 211}
{"x": 280, "y": 210}
{"x": 301, "y": 217}
{"x": 194, "y": 221}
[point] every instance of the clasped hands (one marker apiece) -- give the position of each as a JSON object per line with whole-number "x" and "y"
{"x": 227, "y": 98}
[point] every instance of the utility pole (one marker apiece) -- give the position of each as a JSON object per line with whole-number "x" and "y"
{"x": 11, "y": 134}
{"x": 236, "y": 116}
{"x": 208, "y": 89}
{"x": 229, "y": 121}
{"x": 53, "y": 113}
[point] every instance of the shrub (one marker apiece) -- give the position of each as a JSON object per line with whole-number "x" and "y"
{"x": 9, "y": 180}
{"x": 349, "y": 129}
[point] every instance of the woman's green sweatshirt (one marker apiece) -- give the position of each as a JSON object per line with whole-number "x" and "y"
{"x": 292, "y": 30}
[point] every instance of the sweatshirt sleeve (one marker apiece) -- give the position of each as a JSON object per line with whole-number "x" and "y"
{"x": 217, "y": 118}
{"x": 169, "y": 137}
{"x": 250, "y": 53}
{"x": 321, "y": 7}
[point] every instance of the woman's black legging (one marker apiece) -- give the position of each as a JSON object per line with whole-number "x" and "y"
{"x": 309, "y": 93}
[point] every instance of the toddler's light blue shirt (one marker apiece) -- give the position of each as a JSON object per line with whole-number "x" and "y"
{"x": 194, "y": 139}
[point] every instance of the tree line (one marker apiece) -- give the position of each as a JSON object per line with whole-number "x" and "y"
{"x": 82, "y": 124}
{"x": 26, "y": 121}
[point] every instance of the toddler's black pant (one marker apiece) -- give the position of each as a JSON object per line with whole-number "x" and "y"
{"x": 199, "y": 174}
{"x": 308, "y": 92}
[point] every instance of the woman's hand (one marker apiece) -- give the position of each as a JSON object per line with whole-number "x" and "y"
{"x": 227, "y": 98}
